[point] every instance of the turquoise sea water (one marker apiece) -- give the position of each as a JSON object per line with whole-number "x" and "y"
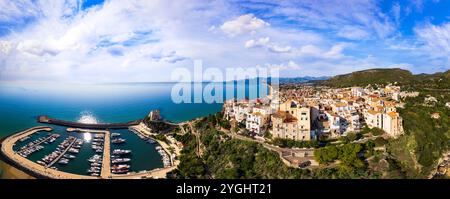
{"x": 20, "y": 104}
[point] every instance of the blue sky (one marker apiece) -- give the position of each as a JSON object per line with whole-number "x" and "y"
{"x": 127, "y": 41}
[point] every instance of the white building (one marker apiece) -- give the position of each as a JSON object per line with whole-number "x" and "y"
{"x": 256, "y": 122}
{"x": 357, "y": 91}
{"x": 241, "y": 111}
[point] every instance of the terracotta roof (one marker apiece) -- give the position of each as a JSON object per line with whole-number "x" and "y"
{"x": 373, "y": 112}
{"x": 340, "y": 104}
{"x": 256, "y": 113}
{"x": 287, "y": 117}
{"x": 392, "y": 114}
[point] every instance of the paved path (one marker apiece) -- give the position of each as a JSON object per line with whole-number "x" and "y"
{"x": 106, "y": 162}
{"x": 278, "y": 150}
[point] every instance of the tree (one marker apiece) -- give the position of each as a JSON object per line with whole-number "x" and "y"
{"x": 326, "y": 154}
{"x": 379, "y": 141}
{"x": 349, "y": 155}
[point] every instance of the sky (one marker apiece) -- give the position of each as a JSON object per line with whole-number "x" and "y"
{"x": 145, "y": 41}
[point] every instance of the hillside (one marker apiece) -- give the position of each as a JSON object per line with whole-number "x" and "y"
{"x": 371, "y": 76}
{"x": 416, "y": 153}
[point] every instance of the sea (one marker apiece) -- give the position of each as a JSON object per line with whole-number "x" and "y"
{"x": 21, "y": 103}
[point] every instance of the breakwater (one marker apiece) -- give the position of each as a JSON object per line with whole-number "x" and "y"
{"x": 123, "y": 125}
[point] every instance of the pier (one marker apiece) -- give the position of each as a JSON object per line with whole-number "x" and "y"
{"x": 61, "y": 155}
{"x": 106, "y": 161}
{"x": 125, "y": 125}
{"x": 37, "y": 144}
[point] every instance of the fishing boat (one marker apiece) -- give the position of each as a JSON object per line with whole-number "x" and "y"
{"x": 121, "y": 152}
{"x": 73, "y": 150}
{"x": 120, "y": 166}
{"x": 120, "y": 160}
{"x": 120, "y": 171}
{"x": 93, "y": 170}
{"x": 118, "y": 141}
{"x": 95, "y": 164}
{"x": 69, "y": 156}
{"x": 41, "y": 163}
{"x": 25, "y": 138}
{"x": 115, "y": 134}
{"x": 63, "y": 161}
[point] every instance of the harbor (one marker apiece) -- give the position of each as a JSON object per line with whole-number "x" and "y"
{"x": 75, "y": 153}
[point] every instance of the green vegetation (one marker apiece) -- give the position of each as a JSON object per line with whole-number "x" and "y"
{"x": 160, "y": 137}
{"x": 374, "y": 131}
{"x": 227, "y": 158}
{"x": 158, "y": 126}
{"x": 292, "y": 143}
{"x": 379, "y": 141}
{"x": 348, "y": 154}
{"x": 372, "y": 76}
{"x": 426, "y": 139}
{"x": 351, "y": 137}
{"x": 414, "y": 154}
{"x": 385, "y": 76}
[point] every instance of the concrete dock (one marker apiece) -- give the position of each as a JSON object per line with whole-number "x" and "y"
{"x": 106, "y": 161}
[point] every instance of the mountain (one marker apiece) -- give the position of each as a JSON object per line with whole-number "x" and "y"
{"x": 301, "y": 79}
{"x": 371, "y": 76}
{"x": 384, "y": 76}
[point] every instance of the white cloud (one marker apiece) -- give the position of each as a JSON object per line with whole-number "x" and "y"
{"x": 36, "y": 48}
{"x": 5, "y": 47}
{"x": 335, "y": 14}
{"x": 334, "y": 52}
{"x": 16, "y": 10}
{"x": 243, "y": 24}
{"x": 435, "y": 38}
{"x": 144, "y": 40}
{"x": 353, "y": 33}
{"x": 264, "y": 42}
{"x": 290, "y": 65}
{"x": 261, "y": 42}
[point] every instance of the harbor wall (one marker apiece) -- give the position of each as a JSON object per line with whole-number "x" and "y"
{"x": 11, "y": 162}
{"x": 47, "y": 120}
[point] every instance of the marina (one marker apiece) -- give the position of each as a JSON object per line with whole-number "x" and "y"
{"x": 88, "y": 153}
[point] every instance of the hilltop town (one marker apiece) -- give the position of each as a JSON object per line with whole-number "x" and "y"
{"x": 310, "y": 113}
